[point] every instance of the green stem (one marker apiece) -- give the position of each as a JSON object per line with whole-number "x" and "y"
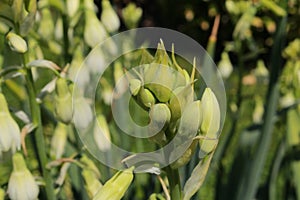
{"x": 174, "y": 183}
{"x": 38, "y": 133}
{"x": 67, "y": 56}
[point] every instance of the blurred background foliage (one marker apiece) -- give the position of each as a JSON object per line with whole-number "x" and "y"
{"x": 255, "y": 44}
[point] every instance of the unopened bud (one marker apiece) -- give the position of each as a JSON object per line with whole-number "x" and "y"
{"x": 109, "y": 17}
{"x": 160, "y": 116}
{"x": 211, "y": 121}
{"x": 115, "y": 188}
{"x": 94, "y": 31}
{"x": 92, "y": 184}
{"x": 16, "y": 43}
{"x": 63, "y": 101}
{"x": 102, "y": 134}
{"x": 146, "y": 97}
{"x": 58, "y": 141}
{"x": 134, "y": 86}
{"x": 225, "y": 65}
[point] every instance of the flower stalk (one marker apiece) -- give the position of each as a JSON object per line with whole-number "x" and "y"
{"x": 38, "y": 132}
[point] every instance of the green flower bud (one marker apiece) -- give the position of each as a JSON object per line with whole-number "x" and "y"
{"x": 146, "y": 97}
{"x": 92, "y": 184}
{"x": 94, "y": 31}
{"x": 16, "y": 43}
{"x": 261, "y": 72}
{"x": 115, "y": 188}
{"x": 160, "y": 116}
{"x": 162, "y": 82}
{"x": 21, "y": 184}
{"x": 46, "y": 24}
{"x": 188, "y": 126}
{"x": 83, "y": 114}
{"x": 225, "y": 65}
{"x": 102, "y": 134}
{"x": 182, "y": 96}
{"x": 258, "y": 110}
{"x": 58, "y": 141}
{"x": 211, "y": 121}
{"x": 131, "y": 15}
{"x": 72, "y": 7}
{"x": 134, "y": 86}
{"x": 191, "y": 119}
{"x": 109, "y": 17}
{"x": 63, "y": 101}
{"x": 10, "y": 131}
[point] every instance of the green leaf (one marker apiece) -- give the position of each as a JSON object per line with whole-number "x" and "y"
{"x": 197, "y": 177}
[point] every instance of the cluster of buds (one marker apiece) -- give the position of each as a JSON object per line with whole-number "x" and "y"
{"x": 166, "y": 91}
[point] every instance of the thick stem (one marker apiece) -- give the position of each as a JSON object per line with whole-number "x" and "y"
{"x": 38, "y": 134}
{"x": 174, "y": 183}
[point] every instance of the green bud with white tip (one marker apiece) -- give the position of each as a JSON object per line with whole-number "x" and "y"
{"x": 146, "y": 97}
{"x": 16, "y": 43}
{"x": 160, "y": 116}
{"x": 115, "y": 188}
{"x": 63, "y": 101}
{"x": 134, "y": 86}
{"x": 109, "y": 17}
{"x": 91, "y": 183}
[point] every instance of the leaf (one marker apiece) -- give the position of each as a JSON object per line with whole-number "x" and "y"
{"x": 197, "y": 177}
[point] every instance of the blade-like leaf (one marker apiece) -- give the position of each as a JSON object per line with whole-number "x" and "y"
{"x": 197, "y": 177}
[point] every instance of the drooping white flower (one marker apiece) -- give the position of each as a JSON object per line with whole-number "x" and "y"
{"x": 21, "y": 184}
{"x": 9, "y": 129}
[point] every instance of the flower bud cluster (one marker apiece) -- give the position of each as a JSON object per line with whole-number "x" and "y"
{"x": 166, "y": 91}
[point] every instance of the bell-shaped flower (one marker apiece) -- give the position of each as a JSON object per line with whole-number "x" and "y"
{"x": 21, "y": 184}
{"x": 10, "y": 131}
{"x": 109, "y": 17}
